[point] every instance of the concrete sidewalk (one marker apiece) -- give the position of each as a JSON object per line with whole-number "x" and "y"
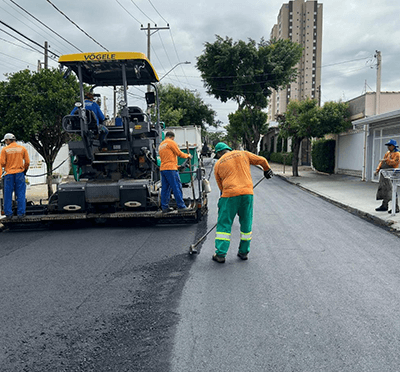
{"x": 348, "y": 192}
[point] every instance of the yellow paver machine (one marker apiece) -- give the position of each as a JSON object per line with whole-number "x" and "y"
{"x": 118, "y": 178}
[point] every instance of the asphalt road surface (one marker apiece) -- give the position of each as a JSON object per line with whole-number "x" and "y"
{"x": 320, "y": 292}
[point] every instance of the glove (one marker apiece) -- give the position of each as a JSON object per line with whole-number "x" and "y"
{"x": 268, "y": 174}
{"x": 25, "y": 171}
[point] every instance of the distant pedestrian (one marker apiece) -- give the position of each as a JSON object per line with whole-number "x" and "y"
{"x": 391, "y": 160}
{"x": 233, "y": 176}
{"x": 170, "y": 181}
{"x": 15, "y": 161}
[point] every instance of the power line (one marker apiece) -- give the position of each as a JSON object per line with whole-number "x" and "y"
{"x": 340, "y": 63}
{"x": 25, "y": 24}
{"x": 143, "y": 12}
{"x": 158, "y": 12}
{"x": 23, "y": 42}
{"x": 128, "y": 12}
{"x": 77, "y": 26}
{"x": 29, "y": 63}
{"x": 46, "y": 26}
{"x": 176, "y": 52}
{"x": 32, "y": 41}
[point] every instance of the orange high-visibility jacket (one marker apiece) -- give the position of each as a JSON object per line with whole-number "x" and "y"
{"x": 392, "y": 159}
{"x": 169, "y": 151}
{"x": 232, "y": 172}
{"x": 14, "y": 158}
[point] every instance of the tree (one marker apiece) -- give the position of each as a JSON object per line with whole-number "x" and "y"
{"x": 32, "y": 105}
{"x": 242, "y": 120}
{"x": 180, "y": 107}
{"x": 247, "y": 73}
{"x": 305, "y": 119}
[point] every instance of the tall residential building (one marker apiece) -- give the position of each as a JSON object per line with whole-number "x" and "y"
{"x": 301, "y": 22}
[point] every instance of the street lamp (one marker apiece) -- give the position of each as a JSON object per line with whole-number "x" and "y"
{"x": 180, "y": 63}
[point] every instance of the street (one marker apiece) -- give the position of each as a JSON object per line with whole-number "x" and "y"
{"x": 320, "y": 292}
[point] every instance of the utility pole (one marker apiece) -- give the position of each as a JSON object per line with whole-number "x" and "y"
{"x": 378, "y": 82}
{"x": 46, "y": 55}
{"x": 149, "y": 34}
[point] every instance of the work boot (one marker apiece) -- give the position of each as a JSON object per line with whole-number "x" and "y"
{"x": 218, "y": 259}
{"x": 397, "y": 209}
{"x": 185, "y": 209}
{"x": 167, "y": 210}
{"x": 243, "y": 256}
{"x": 382, "y": 208}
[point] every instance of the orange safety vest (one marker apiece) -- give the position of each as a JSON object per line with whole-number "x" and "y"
{"x": 169, "y": 151}
{"x": 232, "y": 172}
{"x": 14, "y": 158}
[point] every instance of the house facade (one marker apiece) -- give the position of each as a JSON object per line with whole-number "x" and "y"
{"x": 358, "y": 151}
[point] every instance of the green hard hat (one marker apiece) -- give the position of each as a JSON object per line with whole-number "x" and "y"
{"x": 221, "y": 146}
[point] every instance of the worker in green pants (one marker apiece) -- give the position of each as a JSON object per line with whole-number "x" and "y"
{"x": 228, "y": 208}
{"x": 233, "y": 176}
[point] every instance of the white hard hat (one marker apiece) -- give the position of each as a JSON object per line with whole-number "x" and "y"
{"x": 9, "y": 136}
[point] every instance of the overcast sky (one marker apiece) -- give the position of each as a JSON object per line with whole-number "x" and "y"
{"x": 352, "y": 31}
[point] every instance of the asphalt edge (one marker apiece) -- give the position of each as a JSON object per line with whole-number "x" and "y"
{"x": 364, "y": 215}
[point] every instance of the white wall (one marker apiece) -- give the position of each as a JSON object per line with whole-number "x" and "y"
{"x": 350, "y": 153}
{"x": 38, "y": 166}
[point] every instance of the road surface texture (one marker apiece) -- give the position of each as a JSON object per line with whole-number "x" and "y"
{"x": 320, "y": 292}
{"x": 91, "y": 299}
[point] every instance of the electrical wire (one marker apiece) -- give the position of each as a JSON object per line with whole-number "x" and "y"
{"x": 34, "y": 30}
{"x": 77, "y": 26}
{"x": 29, "y": 63}
{"x": 21, "y": 34}
{"x": 21, "y": 41}
{"x": 46, "y": 26}
{"x": 128, "y": 12}
{"x": 142, "y": 12}
{"x": 10, "y": 42}
{"x": 158, "y": 12}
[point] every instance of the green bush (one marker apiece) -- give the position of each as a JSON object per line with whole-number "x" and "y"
{"x": 277, "y": 157}
{"x": 266, "y": 154}
{"x": 323, "y": 155}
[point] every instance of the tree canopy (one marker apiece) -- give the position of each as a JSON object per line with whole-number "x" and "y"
{"x": 32, "y": 105}
{"x": 305, "y": 119}
{"x": 180, "y": 107}
{"x": 239, "y": 124}
{"x": 247, "y": 73}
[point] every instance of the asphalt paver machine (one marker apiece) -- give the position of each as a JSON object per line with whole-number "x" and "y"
{"x": 120, "y": 177}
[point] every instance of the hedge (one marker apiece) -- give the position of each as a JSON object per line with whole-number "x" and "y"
{"x": 323, "y": 155}
{"x": 277, "y": 157}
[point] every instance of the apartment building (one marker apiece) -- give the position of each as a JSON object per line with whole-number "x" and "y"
{"x": 301, "y": 22}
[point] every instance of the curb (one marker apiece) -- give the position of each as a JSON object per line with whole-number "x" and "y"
{"x": 364, "y": 215}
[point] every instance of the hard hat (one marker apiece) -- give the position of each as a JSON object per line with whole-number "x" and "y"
{"x": 220, "y": 146}
{"x": 8, "y": 136}
{"x": 391, "y": 142}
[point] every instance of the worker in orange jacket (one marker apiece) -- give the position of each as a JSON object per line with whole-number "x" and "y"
{"x": 233, "y": 176}
{"x": 391, "y": 160}
{"x": 170, "y": 181}
{"x": 15, "y": 161}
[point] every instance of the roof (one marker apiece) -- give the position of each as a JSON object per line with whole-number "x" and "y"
{"x": 105, "y": 68}
{"x": 375, "y": 119}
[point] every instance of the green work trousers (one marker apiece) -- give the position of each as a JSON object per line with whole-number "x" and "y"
{"x": 228, "y": 208}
